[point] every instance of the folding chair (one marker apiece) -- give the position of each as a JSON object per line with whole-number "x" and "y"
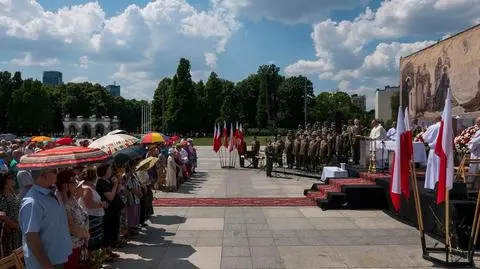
{"x": 10, "y": 262}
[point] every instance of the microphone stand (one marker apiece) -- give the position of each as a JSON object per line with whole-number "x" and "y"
{"x": 383, "y": 156}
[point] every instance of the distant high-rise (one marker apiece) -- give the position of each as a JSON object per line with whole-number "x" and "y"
{"x": 113, "y": 89}
{"x": 52, "y": 78}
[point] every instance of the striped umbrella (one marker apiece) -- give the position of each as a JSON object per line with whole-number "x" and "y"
{"x": 153, "y": 137}
{"x": 62, "y": 157}
{"x": 113, "y": 143}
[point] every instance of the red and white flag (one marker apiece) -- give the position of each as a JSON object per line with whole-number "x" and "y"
{"x": 217, "y": 140}
{"x": 397, "y": 183}
{"x": 225, "y": 135}
{"x": 444, "y": 151}
{"x": 406, "y": 142}
{"x": 214, "y": 142}
{"x": 231, "y": 146}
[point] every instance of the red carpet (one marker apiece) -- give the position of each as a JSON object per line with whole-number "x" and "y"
{"x": 233, "y": 202}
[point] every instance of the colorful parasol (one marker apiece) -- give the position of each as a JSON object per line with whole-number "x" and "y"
{"x": 40, "y": 139}
{"x": 64, "y": 141}
{"x": 113, "y": 143}
{"x": 147, "y": 163}
{"x": 153, "y": 137}
{"x": 61, "y": 157}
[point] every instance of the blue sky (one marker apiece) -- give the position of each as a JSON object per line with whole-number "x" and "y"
{"x": 352, "y": 45}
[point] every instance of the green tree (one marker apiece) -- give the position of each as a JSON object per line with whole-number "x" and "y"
{"x": 213, "y": 97}
{"x": 248, "y": 95}
{"x": 29, "y": 110}
{"x": 182, "y": 100}
{"x": 159, "y": 103}
{"x": 291, "y": 101}
{"x": 270, "y": 81}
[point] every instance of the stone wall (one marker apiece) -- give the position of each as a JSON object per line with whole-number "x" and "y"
{"x": 426, "y": 75}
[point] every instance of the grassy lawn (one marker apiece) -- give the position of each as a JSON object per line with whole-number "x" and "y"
{"x": 207, "y": 141}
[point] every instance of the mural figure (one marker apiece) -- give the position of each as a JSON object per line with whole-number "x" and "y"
{"x": 408, "y": 73}
{"x": 474, "y": 104}
{"x": 442, "y": 83}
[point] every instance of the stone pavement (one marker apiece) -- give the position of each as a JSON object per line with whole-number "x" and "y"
{"x": 268, "y": 237}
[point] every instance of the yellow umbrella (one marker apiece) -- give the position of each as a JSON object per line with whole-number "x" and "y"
{"x": 147, "y": 163}
{"x": 40, "y": 139}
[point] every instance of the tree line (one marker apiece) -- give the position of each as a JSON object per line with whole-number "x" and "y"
{"x": 28, "y": 107}
{"x": 265, "y": 100}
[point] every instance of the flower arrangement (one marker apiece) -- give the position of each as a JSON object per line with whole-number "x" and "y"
{"x": 461, "y": 141}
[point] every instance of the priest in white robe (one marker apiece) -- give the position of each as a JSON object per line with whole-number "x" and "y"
{"x": 377, "y": 136}
{"x": 391, "y": 133}
{"x": 474, "y": 146}
{"x": 433, "y": 162}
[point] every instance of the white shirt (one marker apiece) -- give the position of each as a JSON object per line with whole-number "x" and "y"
{"x": 378, "y": 133}
{"x": 391, "y": 133}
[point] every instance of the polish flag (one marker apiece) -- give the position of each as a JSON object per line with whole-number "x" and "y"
{"x": 407, "y": 154}
{"x": 214, "y": 142}
{"x": 217, "y": 141}
{"x": 444, "y": 151}
{"x": 240, "y": 132}
{"x": 396, "y": 184}
{"x": 231, "y": 147}
{"x": 237, "y": 135}
{"x": 225, "y": 135}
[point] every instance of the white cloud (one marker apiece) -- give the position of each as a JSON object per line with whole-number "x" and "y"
{"x": 198, "y": 75}
{"x": 344, "y": 85}
{"x": 79, "y": 79}
{"x": 144, "y": 42}
{"x": 84, "y": 61}
{"x": 211, "y": 60}
{"x": 299, "y": 11}
{"x": 31, "y": 61}
{"x": 343, "y": 48}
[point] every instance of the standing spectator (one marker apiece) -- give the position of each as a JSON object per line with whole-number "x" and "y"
{"x": 107, "y": 187}
{"x": 77, "y": 217}
{"x": 92, "y": 203}
{"x": 9, "y": 204}
{"x": 25, "y": 182}
{"x": 44, "y": 224}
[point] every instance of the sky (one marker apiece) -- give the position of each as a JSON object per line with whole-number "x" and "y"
{"x": 350, "y": 45}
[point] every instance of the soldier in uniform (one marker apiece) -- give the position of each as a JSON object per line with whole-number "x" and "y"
{"x": 255, "y": 151}
{"x": 302, "y": 152}
{"x": 312, "y": 152}
{"x": 345, "y": 142}
{"x": 279, "y": 147}
{"x": 323, "y": 149}
{"x": 270, "y": 155}
{"x": 296, "y": 150}
{"x": 289, "y": 142}
{"x": 356, "y": 130}
{"x": 325, "y": 128}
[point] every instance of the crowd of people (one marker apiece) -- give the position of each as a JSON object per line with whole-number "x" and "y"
{"x": 60, "y": 216}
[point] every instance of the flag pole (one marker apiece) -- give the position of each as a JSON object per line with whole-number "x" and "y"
{"x": 416, "y": 198}
{"x": 474, "y": 233}
{"x": 447, "y": 223}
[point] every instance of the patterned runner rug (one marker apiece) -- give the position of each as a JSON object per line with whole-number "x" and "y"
{"x": 233, "y": 202}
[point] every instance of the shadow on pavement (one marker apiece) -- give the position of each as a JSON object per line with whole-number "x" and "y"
{"x": 153, "y": 248}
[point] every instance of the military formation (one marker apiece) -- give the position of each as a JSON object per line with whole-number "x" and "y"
{"x": 311, "y": 147}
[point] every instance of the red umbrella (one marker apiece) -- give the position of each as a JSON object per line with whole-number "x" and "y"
{"x": 61, "y": 157}
{"x": 64, "y": 141}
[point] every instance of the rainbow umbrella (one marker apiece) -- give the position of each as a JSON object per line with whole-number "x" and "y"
{"x": 152, "y": 138}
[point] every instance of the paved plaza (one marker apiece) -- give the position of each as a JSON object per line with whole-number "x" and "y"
{"x": 266, "y": 237}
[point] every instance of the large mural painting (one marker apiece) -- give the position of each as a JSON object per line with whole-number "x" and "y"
{"x": 426, "y": 75}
